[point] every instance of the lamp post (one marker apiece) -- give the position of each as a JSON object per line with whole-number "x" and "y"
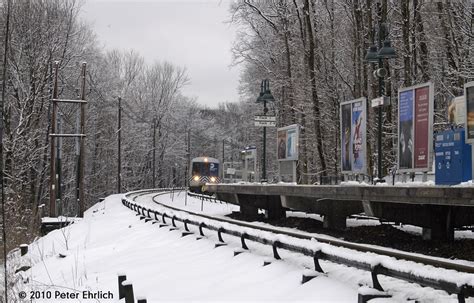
{"x": 376, "y": 54}
{"x": 264, "y": 97}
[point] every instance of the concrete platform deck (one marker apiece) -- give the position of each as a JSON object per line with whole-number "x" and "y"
{"x": 440, "y": 195}
{"x": 438, "y": 209}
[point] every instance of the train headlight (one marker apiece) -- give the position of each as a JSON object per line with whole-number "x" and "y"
{"x": 213, "y": 179}
{"x": 196, "y": 178}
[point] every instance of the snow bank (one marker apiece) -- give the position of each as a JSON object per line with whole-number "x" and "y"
{"x": 162, "y": 265}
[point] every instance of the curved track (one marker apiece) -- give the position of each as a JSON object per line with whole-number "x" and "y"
{"x": 279, "y": 238}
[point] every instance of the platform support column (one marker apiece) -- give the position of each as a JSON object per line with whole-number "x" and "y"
{"x": 335, "y": 213}
{"x": 274, "y": 209}
{"x": 249, "y": 211}
{"x": 442, "y": 224}
{"x": 333, "y": 220}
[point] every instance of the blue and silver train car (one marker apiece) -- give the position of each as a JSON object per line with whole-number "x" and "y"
{"x": 203, "y": 170}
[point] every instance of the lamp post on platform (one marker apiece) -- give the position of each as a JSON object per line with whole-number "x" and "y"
{"x": 376, "y": 54}
{"x": 264, "y": 97}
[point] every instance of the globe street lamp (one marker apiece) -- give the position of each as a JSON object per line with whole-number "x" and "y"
{"x": 264, "y": 97}
{"x": 376, "y": 54}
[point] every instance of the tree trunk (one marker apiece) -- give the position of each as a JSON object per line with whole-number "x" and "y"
{"x": 419, "y": 28}
{"x": 314, "y": 93}
{"x": 405, "y": 9}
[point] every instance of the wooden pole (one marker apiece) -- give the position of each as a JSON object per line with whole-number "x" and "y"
{"x": 77, "y": 153}
{"x": 59, "y": 205}
{"x": 154, "y": 152}
{"x": 223, "y": 159}
{"x": 82, "y": 142}
{"x": 188, "y": 163}
{"x": 119, "y": 147}
{"x": 52, "y": 175}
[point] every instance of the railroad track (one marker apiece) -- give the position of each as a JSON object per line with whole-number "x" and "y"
{"x": 448, "y": 276}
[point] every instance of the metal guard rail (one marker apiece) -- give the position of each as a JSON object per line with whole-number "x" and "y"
{"x": 205, "y": 197}
{"x": 462, "y": 292}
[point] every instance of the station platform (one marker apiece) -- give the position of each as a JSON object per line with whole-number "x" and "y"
{"x": 437, "y": 209}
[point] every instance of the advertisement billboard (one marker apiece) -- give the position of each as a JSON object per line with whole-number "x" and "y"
{"x": 415, "y": 128}
{"x": 354, "y": 136}
{"x": 287, "y": 143}
{"x": 457, "y": 111}
{"x": 346, "y": 143}
{"x": 469, "y": 94}
{"x": 422, "y": 130}
{"x": 405, "y": 130}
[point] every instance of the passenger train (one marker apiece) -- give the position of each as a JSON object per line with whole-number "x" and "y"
{"x": 203, "y": 170}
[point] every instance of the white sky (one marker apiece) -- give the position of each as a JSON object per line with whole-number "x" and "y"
{"x": 190, "y": 33}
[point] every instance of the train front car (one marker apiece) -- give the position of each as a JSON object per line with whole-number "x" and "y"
{"x": 203, "y": 170}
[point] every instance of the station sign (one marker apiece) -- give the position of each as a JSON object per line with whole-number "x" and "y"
{"x": 265, "y": 121}
{"x": 380, "y": 101}
{"x": 264, "y": 118}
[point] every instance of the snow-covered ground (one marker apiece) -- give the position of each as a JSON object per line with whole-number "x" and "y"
{"x": 163, "y": 266}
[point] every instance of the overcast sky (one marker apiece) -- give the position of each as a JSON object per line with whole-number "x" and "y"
{"x": 190, "y": 33}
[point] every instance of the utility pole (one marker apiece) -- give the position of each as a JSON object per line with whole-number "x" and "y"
{"x": 188, "y": 162}
{"x": 119, "y": 147}
{"x": 52, "y": 180}
{"x": 223, "y": 158}
{"x": 77, "y": 154}
{"x": 58, "y": 168}
{"x": 154, "y": 152}
{"x": 173, "y": 170}
{"x": 82, "y": 141}
{"x": 189, "y": 147}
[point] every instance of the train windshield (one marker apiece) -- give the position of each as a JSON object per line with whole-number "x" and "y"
{"x": 213, "y": 169}
{"x": 205, "y": 169}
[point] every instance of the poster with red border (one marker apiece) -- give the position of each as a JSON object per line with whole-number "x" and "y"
{"x": 415, "y": 139}
{"x": 422, "y": 129}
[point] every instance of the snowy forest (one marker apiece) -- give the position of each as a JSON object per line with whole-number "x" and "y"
{"x": 312, "y": 51}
